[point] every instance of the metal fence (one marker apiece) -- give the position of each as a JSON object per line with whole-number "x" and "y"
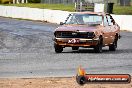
{"x": 116, "y": 2}
{"x": 58, "y": 1}
{"x": 73, "y": 1}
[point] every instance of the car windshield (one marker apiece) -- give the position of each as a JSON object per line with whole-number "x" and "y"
{"x": 84, "y": 19}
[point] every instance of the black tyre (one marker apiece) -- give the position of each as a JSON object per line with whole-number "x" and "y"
{"x": 98, "y": 47}
{"x": 58, "y": 49}
{"x": 81, "y": 80}
{"x": 113, "y": 46}
{"x": 75, "y": 48}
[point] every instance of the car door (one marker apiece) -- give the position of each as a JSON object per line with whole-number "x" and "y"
{"x": 106, "y": 31}
{"x": 112, "y": 25}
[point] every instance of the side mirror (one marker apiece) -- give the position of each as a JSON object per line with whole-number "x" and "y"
{"x": 120, "y": 36}
{"x": 61, "y": 23}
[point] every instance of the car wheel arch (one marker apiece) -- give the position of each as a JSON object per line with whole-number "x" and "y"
{"x": 116, "y": 36}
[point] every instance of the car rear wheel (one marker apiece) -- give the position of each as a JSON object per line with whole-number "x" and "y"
{"x": 113, "y": 46}
{"x": 98, "y": 47}
{"x": 58, "y": 49}
{"x": 75, "y": 48}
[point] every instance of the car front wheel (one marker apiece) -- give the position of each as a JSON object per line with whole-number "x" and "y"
{"x": 113, "y": 46}
{"x": 58, "y": 49}
{"x": 98, "y": 47}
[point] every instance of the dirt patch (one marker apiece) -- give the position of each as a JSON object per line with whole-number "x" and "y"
{"x": 53, "y": 83}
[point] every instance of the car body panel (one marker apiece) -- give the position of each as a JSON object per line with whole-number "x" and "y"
{"x": 108, "y": 29}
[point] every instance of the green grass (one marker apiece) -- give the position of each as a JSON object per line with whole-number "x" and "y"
{"x": 116, "y": 10}
{"x": 46, "y": 6}
{"x": 127, "y": 10}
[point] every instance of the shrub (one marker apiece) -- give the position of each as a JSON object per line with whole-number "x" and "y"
{"x": 6, "y": 1}
{"x": 34, "y": 1}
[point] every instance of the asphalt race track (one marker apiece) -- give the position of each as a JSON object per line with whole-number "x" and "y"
{"x": 26, "y": 50}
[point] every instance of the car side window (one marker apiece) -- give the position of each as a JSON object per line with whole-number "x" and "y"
{"x": 105, "y": 21}
{"x": 110, "y": 20}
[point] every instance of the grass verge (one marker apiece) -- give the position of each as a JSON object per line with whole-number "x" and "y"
{"x": 46, "y": 6}
{"x": 125, "y": 10}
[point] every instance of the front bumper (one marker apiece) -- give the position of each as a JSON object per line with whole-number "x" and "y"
{"x": 82, "y": 42}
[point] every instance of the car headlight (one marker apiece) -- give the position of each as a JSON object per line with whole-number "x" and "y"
{"x": 91, "y": 35}
{"x": 57, "y": 34}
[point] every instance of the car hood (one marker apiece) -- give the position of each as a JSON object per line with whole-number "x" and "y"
{"x": 78, "y": 28}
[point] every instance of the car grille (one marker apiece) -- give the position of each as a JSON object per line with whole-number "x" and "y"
{"x": 75, "y": 35}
